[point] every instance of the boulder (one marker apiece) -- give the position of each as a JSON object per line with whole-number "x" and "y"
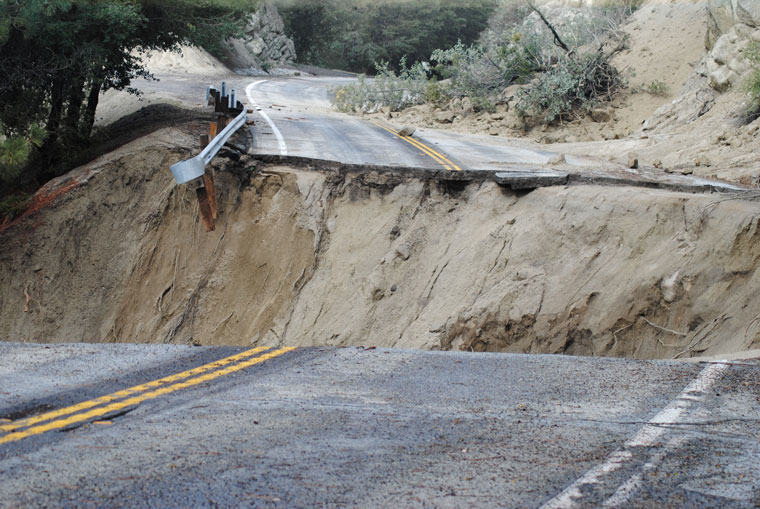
{"x": 467, "y": 106}
{"x": 600, "y": 115}
{"x": 444, "y": 117}
{"x": 748, "y": 12}
{"x": 407, "y": 131}
{"x": 722, "y": 78}
{"x": 725, "y": 63}
{"x": 557, "y": 159}
{"x": 633, "y": 160}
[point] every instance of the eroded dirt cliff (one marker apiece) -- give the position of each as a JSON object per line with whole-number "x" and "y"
{"x": 316, "y": 255}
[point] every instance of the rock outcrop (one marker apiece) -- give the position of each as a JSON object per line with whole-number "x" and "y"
{"x": 723, "y": 68}
{"x": 724, "y": 14}
{"x": 264, "y": 46}
{"x": 726, "y": 62}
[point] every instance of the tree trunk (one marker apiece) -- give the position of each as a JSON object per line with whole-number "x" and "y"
{"x": 50, "y": 153}
{"x": 50, "y": 148}
{"x": 88, "y": 119}
{"x": 557, "y": 40}
{"x": 56, "y": 108}
{"x": 70, "y": 131}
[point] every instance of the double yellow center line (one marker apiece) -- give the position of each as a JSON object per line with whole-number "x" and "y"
{"x": 437, "y": 156}
{"x": 108, "y": 404}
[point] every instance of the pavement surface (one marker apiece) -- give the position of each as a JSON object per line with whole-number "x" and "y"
{"x": 294, "y": 118}
{"x": 359, "y": 427}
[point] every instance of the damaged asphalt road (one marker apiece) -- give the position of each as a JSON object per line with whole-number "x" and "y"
{"x": 372, "y": 427}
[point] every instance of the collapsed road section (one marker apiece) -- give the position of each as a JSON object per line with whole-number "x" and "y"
{"x": 307, "y": 252}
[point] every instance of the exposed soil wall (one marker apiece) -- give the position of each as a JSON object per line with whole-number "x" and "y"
{"x": 303, "y": 256}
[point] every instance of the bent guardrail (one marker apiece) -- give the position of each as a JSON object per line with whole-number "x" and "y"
{"x": 195, "y": 170}
{"x": 189, "y": 169}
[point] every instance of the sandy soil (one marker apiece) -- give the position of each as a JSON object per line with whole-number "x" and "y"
{"x": 306, "y": 257}
{"x": 190, "y": 60}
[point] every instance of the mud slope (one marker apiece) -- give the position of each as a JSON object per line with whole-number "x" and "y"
{"x": 311, "y": 257}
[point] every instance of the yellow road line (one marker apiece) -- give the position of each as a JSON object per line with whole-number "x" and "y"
{"x": 22, "y": 423}
{"x": 424, "y": 148}
{"x": 136, "y": 400}
{"x": 440, "y": 158}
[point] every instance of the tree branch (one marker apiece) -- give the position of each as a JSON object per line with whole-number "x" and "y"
{"x": 557, "y": 40}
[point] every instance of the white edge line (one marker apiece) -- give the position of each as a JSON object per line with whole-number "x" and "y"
{"x": 645, "y": 438}
{"x": 275, "y": 130}
{"x": 626, "y": 490}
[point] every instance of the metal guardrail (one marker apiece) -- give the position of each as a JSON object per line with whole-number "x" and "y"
{"x": 194, "y": 170}
{"x": 189, "y": 169}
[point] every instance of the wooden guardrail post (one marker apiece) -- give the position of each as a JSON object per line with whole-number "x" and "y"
{"x": 208, "y": 179}
{"x": 196, "y": 171}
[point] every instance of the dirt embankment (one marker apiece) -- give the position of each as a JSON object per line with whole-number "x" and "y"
{"x": 310, "y": 256}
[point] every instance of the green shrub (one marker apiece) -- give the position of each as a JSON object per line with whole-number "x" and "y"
{"x": 13, "y": 205}
{"x": 656, "y": 87}
{"x": 434, "y": 93}
{"x": 518, "y": 46}
{"x": 482, "y": 71}
{"x": 575, "y": 85}
{"x": 752, "y": 84}
{"x": 389, "y": 89}
{"x": 16, "y": 150}
{"x": 515, "y": 48}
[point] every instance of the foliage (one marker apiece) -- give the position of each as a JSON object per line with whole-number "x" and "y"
{"x": 397, "y": 91}
{"x": 482, "y": 71}
{"x": 517, "y": 46}
{"x": 435, "y": 93}
{"x": 658, "y": 88}
{"x": 752, "y": 84}
{"x": 353, "y": 35}
{"x": 576, "y": 84}
{"x": 16, "y": 150}
{"x": 13, "y": 205}
{"x": 56, "y": 56}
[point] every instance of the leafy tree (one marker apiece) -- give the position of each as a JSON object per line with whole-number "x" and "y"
{"x": 354, "y": 35}
{"x": 57, "y": 56}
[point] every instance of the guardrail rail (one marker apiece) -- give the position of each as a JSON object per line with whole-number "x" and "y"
{"x": 231, "y": 116}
